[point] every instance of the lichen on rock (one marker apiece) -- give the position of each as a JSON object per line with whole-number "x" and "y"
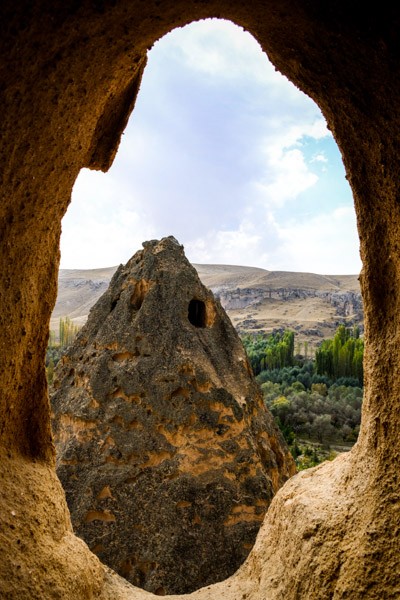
{"x": 167, "y": 455}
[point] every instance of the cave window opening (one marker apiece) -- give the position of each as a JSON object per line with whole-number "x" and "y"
{"x": 237, "y": 236}
{"x": 197, "y": 313}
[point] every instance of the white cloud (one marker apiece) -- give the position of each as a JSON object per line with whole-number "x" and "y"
{"x": 217, "y": 153}
{"x": 289, "y": 129}
{"x": 326, "y": 243}
{"x": 219, "y": 48}
{"x": 237, "y": 247}
{"x": 286, "y": 172}
{"x": 289, "y": 176}
{"x": 319, "y": 158}
{"x": 101, "y": 227}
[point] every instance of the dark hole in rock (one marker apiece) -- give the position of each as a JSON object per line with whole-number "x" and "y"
{"x": 137, "y": 300}
{"x": 140, "y": 291}
{"x": 197, "y": 313}
{"x": 160, "y": 592}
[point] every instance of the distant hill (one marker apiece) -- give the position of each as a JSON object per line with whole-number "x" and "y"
{"x": 255, "y": 299}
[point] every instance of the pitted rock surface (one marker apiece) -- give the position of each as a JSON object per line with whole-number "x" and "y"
{"x": 166, "y": 452}
{"x": 70, "y": 72}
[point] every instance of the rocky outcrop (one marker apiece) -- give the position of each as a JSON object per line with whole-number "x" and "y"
{"x": 166, "y": 452}
{"x": 345, "y": 303}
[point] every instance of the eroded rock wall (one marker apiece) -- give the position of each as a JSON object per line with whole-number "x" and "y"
{"x": 69, "y": 73}
{"x": 345, "y": 303}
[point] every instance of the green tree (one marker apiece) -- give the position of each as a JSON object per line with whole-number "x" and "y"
{"x": 67, "y": 331}
{"x": 268, "y": 352}
{"x": 341, "y": 356}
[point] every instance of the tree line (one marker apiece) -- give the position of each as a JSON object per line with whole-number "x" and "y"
{"x": 317, "y": 402}
{"x": 268, "y": 352}
{"x": 314, "y": 420}
{"x": 326, "y": 415}
{"x": 67, "y": 331}
{"x": 340, "y": 357}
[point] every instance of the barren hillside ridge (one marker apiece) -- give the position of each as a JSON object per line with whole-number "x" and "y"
{"x": 255, "y": 299}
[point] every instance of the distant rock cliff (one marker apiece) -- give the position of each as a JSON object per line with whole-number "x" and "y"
{"x": 255, "y": 299}
{"x": 166, "y": 452}
{"x": 346, "y": 303}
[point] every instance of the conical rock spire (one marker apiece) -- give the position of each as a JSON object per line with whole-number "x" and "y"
{"x": 166, "y": 452}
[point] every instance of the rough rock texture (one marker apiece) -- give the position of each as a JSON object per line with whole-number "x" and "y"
{"x": 69, "y": 74}
{"x": 167, "y": 454}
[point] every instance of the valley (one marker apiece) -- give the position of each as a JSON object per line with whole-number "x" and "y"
{"x": 255, "y": 299}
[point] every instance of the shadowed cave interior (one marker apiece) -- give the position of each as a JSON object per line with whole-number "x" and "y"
{"x": 197, "y": 313}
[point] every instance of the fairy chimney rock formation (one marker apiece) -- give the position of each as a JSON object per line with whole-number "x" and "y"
{"x": 166, "y": 452}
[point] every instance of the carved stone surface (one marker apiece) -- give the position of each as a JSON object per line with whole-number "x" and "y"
{"x": 167, "y": 454}
{"x": 69, "y": 76}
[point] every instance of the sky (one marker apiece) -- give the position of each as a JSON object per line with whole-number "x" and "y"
{"x": 226, "y": 155}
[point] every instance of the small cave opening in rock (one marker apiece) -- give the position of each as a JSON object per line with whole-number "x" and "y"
{"x": 197, "y": 313}
{"x": 138, "y": 296}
